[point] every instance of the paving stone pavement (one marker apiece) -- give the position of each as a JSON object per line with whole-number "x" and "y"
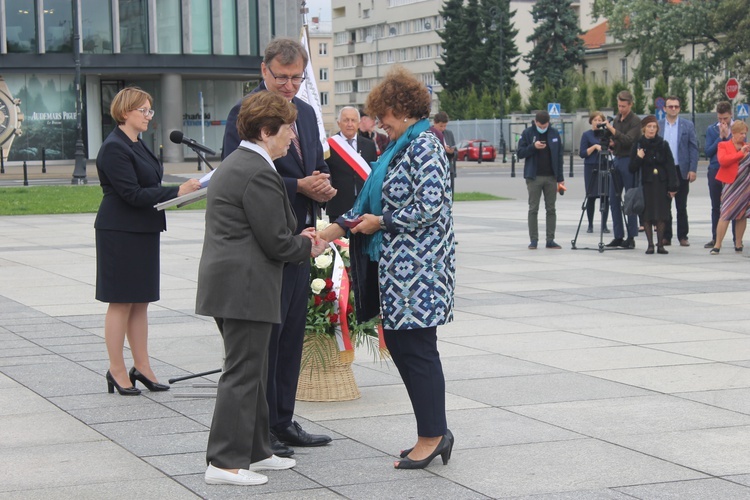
{"x": 571, "y": 374}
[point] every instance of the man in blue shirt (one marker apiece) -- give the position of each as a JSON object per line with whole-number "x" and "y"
{"x": 680, "y": 135}
{"x": 719, "y": 131}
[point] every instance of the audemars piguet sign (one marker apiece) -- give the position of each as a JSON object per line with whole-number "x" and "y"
{"x": 46, "y": 105}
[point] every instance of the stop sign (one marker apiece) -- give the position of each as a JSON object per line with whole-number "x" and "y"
{"x": 732, "y": 88}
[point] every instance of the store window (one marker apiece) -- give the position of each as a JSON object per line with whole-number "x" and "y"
{"x": 96, "y": 26}
{"x": 134, "y": 26}
{"x": 20, "y": 21}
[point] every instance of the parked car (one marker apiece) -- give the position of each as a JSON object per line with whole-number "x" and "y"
{"x": 469, "y": 150}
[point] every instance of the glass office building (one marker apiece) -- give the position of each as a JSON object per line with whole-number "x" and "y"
{"x": 183, "y": 52}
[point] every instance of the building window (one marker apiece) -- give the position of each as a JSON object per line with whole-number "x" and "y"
{"x": 228, "y": 27}
{"x": 323, "y": 74}
{"x": 593, "y": 77}
{"x": 647, "y": 84}
{"x": 341, "y": 38}
{"x": 96, "y": 26}
{"x": 168, "y": 27}
{"x": 200, "y": 27}
{"x": 344, "y": 87}
{"x": 605, "y": 73}
{"x": 20, "y": 18}
{"x": 323, "y": 49}
{"x": 324, "y": 98}
{"x": 58, "y": 26}
{"x": 624, "y": 69}
{"x": 134, "y": 26}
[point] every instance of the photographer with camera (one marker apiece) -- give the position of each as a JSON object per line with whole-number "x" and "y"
{"x": 593, "y": 142}
{"x": 625, "y": 130}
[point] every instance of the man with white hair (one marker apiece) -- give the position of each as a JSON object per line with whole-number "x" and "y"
{"x": 349, "y": 162}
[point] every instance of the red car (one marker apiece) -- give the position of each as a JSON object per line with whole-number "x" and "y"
{"x": 469, "y": 150}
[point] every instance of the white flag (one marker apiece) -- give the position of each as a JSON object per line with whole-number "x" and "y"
{"x": 308, "y": 92}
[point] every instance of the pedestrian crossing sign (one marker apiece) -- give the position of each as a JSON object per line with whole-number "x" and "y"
{"x": 743, "y": 110}
{"x": 553, "y": 108}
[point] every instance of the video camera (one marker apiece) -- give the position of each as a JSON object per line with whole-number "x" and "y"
{"x": 603, "y": 134}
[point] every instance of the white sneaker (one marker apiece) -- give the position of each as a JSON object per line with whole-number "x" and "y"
{"x": 244, "y": 477}
{"x": 273, "y": 463}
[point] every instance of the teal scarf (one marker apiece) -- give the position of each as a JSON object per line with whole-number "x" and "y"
{"x": 370, "y": 199}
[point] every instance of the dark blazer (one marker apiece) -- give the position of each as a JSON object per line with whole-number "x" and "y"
{"x": 291, "y": 167}
{"x": 657, "y": 164}
{"x": 249, "y": 235}
{"x": 528, "y": 152}
{"x": 130, "y": 177}
{"x": 346, "y": 180}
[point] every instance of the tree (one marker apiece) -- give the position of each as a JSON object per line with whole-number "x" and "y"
{"x": 461, "y": 39}
{"x": 614, "y": 90}
{"x": 499, "y": 35}
{"x": 639, "y": 96}
{"x": 731, "y": 19}
{"x": 600, "y": 95}
{"x": 657, "y": 30}
{"x": 557, "y": 43}
{"x": 660, "y": 90}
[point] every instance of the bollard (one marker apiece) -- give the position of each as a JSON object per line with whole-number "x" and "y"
{"x": 200, "y": 163}
{"x": 161, "y": 154}
{"x": 571, "y": 164}
{"x": 44, "y": 160}
{"x": 25, "y": 175}
{"x": 513, "y": 165}
{"x": 479, "y": 158}
{"x": 2, "y": 163}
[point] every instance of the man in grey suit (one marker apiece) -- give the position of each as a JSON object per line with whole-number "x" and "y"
{"x": 680, "y": 135}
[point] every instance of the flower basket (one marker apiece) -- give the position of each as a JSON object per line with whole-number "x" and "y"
{"x": 332, "y": 330}
{"x": 327, "y": 374}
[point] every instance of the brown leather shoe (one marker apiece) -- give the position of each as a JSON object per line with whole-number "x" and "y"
{"x": 684, "y": 242}
{"x": 665, "y": 242}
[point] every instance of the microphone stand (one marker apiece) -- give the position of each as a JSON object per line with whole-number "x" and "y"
{"x": 201, "y": 157}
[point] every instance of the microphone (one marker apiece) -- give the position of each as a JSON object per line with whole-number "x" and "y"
{"x": 178, "y": 137}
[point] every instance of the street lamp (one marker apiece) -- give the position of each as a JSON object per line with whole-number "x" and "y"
{"x": 79, "y": 173}
{"x": 497, "y": 17}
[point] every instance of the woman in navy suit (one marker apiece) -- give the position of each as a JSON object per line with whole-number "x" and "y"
{"x": 127, "y": 238}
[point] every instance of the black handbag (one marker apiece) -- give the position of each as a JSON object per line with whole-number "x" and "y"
{"x": 634, "y": 202}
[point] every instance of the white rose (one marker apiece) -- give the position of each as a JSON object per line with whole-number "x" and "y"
{"x": 317, "y": 285}
{"x": 344, "y": 252}
{"x": 321, "y": 224}
{"x": 323, "y": 261}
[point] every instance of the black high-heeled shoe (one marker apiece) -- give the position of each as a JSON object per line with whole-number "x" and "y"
{"x": 124, "y": 391}
{"x": 150, "y": 385}
{"x": 448, "y": 434}
{"x": 444, "y": 449}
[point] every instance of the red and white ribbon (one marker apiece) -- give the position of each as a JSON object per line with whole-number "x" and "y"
{"x": 349, "y": 155}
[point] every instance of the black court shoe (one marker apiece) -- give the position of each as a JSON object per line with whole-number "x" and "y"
{"x": 448, "y": 433}
{"x": 444, "y": 449}
{"x": 150, "y": 385}
{"x": 123, "y": 391}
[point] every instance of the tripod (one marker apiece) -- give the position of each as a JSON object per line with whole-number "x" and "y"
{"x": 602, "y": 177}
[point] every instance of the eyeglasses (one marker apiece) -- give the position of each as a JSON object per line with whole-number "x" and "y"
{"x": 673, "y": 106}
{"x": 146, "y": 112}
{"x": 281, "y": 80}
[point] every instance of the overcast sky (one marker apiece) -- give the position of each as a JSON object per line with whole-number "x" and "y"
{"x": 321, "y": 8}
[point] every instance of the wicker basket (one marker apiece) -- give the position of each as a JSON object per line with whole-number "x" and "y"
{"x": 326, "y": 373}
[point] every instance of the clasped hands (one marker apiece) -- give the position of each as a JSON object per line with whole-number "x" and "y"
{"x": 316, "y": 186}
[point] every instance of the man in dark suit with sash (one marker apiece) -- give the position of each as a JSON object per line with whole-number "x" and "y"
{"x": 306, "y": 178}
{"x": 349, "y": 162}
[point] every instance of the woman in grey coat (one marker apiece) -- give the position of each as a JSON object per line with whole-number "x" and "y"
{"x": 249, "y": 235}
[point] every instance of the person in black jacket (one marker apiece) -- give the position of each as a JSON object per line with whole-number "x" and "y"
{"x": 127, "y": 238}
{"x": 652, "y": 157}
{"x": 542, "y": 150}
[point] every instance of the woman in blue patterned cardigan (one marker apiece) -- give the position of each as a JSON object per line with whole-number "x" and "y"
{"x": 403, "y": 254}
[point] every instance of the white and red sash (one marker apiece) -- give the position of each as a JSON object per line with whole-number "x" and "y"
{"x": 349, "y": 155}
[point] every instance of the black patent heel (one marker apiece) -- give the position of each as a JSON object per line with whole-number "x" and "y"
{"x": 123, "y": 391}
{"x": 150, "y": 385}
{"x": 448, "y": 434}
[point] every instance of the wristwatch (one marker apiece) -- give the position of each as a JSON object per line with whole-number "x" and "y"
{"x": 10, "y": 118}
{"x": 381, "y": 221}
